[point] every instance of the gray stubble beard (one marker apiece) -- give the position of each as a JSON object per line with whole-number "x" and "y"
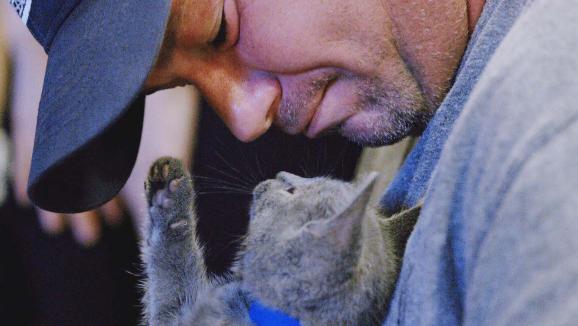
{"x": 392, "y": 112}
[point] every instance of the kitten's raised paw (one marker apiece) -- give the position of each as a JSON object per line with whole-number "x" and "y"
{"x": 169, "y": 193}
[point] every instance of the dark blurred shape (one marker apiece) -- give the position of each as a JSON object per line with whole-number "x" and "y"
{"x": 54, "y": 281}
{"x": 48, "y": 280}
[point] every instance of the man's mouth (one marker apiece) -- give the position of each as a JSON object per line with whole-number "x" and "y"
{"x": 336, "y": 106}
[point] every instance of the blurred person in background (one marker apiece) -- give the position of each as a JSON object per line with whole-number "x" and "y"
{"x": 3, "y": 104}
{"x": 61, "y": 269}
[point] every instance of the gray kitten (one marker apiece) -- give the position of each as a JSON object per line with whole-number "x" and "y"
{"x": 312, "y": 250}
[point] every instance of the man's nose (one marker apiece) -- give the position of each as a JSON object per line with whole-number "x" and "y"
{"x": 247, "y": 103}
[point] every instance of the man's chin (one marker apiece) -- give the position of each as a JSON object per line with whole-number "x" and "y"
{"x": 369, "y": 139}
{"x": 374, "y": 130}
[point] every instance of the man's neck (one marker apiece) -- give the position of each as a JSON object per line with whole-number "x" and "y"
{"x": 475, "y": 8}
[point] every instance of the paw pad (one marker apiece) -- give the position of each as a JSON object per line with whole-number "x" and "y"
{"x": 167, "y": 184}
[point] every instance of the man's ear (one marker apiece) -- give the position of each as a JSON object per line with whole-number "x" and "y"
{"x": 346, "y": 225}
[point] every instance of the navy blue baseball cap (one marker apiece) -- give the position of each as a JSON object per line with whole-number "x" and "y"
{"x": 89, "y": 124}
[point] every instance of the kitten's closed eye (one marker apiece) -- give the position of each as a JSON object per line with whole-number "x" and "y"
{"x": 291, "y": 190}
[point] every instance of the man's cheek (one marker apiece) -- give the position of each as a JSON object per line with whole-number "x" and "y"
{"x": 280, "y": 54}
{"x": 285, "y": 40}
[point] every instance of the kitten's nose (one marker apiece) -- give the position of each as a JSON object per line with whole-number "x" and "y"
{"x": 289, "y": 178}
{"x": 260, "y": 189}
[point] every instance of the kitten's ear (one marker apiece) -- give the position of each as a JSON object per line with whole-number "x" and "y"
{"x": 342, "y": 228}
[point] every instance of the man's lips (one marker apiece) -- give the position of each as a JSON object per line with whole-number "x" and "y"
{"x": 303, "y": 96}
{"x": 336, "y": 106}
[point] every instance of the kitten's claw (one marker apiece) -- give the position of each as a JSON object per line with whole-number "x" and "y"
{"x": 179, "y": 224}
{"x": 173, "y": 186}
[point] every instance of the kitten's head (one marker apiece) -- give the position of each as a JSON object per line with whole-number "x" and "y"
{"x": 304, "y": 239}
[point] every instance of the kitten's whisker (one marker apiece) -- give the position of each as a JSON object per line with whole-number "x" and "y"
{"x": 221, "y": 186}
{"x": 210, "y": 179}
{"x": 229, "y": 188}
{"x": 259, "y": 167}
{"x": 227, "y": 162}
{"x": 218, "y": 182}
{"x": 213, "y": 188}
{"x": 340, "y": 159}
{"x": 325, "y": 154}
{"x": 308, "y": 160}
{"x": 222, "y": 193}
{"x": 239, "y": 175}
{"x": 230, "y": 165}
{"x": 302, "y": 166}
{"x": 236, "y": 178}
{"x": 250, "y": 173}
{"x": 226, "y": 189}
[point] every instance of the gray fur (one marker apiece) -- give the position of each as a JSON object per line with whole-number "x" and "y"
{"x": 313, "y": 250}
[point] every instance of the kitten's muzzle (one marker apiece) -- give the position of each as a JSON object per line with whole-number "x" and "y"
{"x": 261, "y": 189}
{"x": 283, "y": 180}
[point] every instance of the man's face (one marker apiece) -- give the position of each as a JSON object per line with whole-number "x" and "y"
{"x": 375, "y": 70}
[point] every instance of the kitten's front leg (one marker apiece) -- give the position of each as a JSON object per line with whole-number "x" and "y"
{"x": 174, "y": 262}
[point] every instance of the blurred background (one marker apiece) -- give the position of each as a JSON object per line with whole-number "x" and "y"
{"x": 85, "y": 269}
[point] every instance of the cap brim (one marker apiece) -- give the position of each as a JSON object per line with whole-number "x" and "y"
{"x": 91, "y": 110}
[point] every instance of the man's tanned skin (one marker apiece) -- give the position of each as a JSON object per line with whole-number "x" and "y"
{"x": 376, "y": 70}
